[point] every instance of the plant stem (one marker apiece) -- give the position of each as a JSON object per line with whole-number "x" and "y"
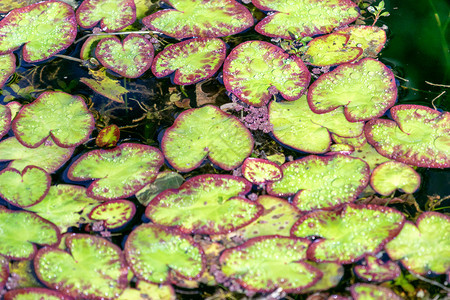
{"x": 442, "y": 30}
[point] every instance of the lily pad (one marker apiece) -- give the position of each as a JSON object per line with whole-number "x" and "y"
{"x": 45, "y": 28}
{"x": 88, "y": 49}
{"x": 321, "y": 182}
{"x": 293, "y": 119}
{"x": 114, "y": 213}
{"x": 154, "y": 252}
{"x": 35, "y": 293}
{"x": 113, "y": 15}
{"x": 375, "y": 270}
{"x": 366, "y": 89}
{"x": 254, "y": 67}
{"x": 392, "y": 175}
{"x": 259, "y": 171}
{"x": 5, "y": 119}
{"x": 47, "y": 156}
{"x": 370, "y": 38}
{"x": 7, "y": 5}
{"x": 62, "y": 116}
{"x": 105, "y": 86}
{"x": 264, "y": 264}
{"x": 304, "y": 17}
{"x": 24, "y": 188}
{"x": 350, "y": 233}
{"x": 4, "y": 271}
{"x": 119, "y": 172}
{"x": 192, "y": 61}
{"x": 363, "y": 291}
{"x": 130, "y": 58}
{"x": 431, "y": 240}
{"x": 108, "y": 136}
{"x": 200, "y": 18}
{"x": 332, "y": 275}
{"x": 92, "y": 268}
{"x": 7, "y": 68}
{"x": 418, "y": 136}
{"x": 21, "y": 231}
{"x": 206, "y": 131}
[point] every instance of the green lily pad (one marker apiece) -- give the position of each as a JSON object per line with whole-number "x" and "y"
{"x": 205, "y": 204}
{"x": 7, "y": 68}
{"x": 108, "y": 136}
{"x": 259, "y": 171}
{"x": 92, "y": 268}
{"x": 21, "y": 231}
{"x": 24, "y": 188}
{"x": 145, "y": 290}
{"x": 47, "y": 156}
{"x": 114, "y": 213}
{"x": 366, "y": 89}
{"x": 375, "y": 270}
{"x": 264, "y": 264}
{"x": 5, "y": 120}
{"x": 7, "y": 5}
{"x": 164, "y": 181}
{"x": 154, "y": 252}
{"x": 45, "y": 28}
{"x": 418, "y": 136}
{"x": 62, "y": 116}
{"x": 293, "y": 119}
{"x": 119, "y": 172}
{"x": 431, "y": 243}
{"x": 304, "y": 17}
{"x": 332, "y": 275}
{"x": 130, "y": 58}
{"x": 369, "y": 38}
{"x": 113, "y": 15}
{"x": 206, "y": 131}
{"x": 393, "y": 175}
{"x": 192, "y": 61}
{"x": 350, "y": 233}
{"x": 255, "y": 66}
{"x": 15, "y": 107}
{"x": 321, "y": 182}
{"x": 364, "y": 291}
{"x": 368, "y": 154}
{"x": 88, "y": 49}
{"x": 33, "y": 293}
{"x": 198, "y": 18}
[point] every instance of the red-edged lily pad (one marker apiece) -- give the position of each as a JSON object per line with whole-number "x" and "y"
{"x": 332, "y": 275}
{"x": 350, "y": 233}
{"x": 130, "y": 58}
{"x": 119, "y": 172}
{"x": 45, "y": 28}
{"x": 258, "y": 171}
{"x": 8, "y": 5}
{"x": 114, "y": 213}
{"x": 35, "y": 293}
{"x": 369, "y": 38}
{"x": 154, "y": 252}
{"x": 200, "y": 18}
{"x": 375, "y": 270}
{"x": 301, "y": 18}
{"x": 5, "y": 120}
{"x": 108, "y": 136}
{"x": 255, "y": 66}
{"x": 392, "y": 175}
{"x": 192, "y": 61}
{"x": 418, "y": 136}
{"x": 113, "y": 15}
{"x": 363, "y": 291}
{"x": 368, "y": 154}
{"x": 366, "y": 89}
{"x": 88, "y": 49}
{"x": 7, "y": 68}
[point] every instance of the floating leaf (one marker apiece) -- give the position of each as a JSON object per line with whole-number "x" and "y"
{"x": 349, "y": 234}
{"x": 304, "y": 17}
{"x": 206, "y": 131}
{"x": 425, "y": 247}
{"x": 264, "y": 264}
{"x": 93, "y": 268}
{"x": 114, "y": 213}
{"x": 45, "y": 28}
{"x": 105, "y": 86}
{"x": 418, "y": 136}
{"x": 321, "y": 182}
{"x": 255, "y": 67}
{"x": 259, "y": 171}
{"x": 192, "y": 61}
{"x": 370, "y": 38}
{"x": 35, "y": 293}
{"x": 375, "y": 270}
{"x": 130, "y": 58}
{"x": 7, "y": 68}
{"x": 88, "y": 49}
{"x": 108, "y": 136}
{"x": 393, "y": 175}
{"x": 5, "y": 119}
{"x": 119, "y": 172}
{"x": 7, "y": 5}
{"x": 363, "y": 291}
{"x": 62, "y": 116}
{"x": 164, "y": 181}
{"x": 154, "y": 252}
{"x": 368, "y": 154}
{"x": 200, "y": 18}
{"x": 113, "y": 15}
{"x": 332, "y": 274}
{"x": 149, "y": 291}
{"x": 366, "y": 89}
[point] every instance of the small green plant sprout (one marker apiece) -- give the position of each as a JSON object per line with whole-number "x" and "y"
{"x": 377, "y": 12}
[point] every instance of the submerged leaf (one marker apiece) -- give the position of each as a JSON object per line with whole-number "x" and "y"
{"x": 105, "y": 86}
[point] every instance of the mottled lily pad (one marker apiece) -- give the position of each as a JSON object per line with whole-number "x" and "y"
{"x": 92, "y": 268}
{"x": 130, "y": 58}
{"x": 365, "y": 291}
{"x": 154, "y": 252}
{"x": 431, "y": 243}
{"x": 418, "y": 136}
{"x": 192, "y": 61}
{"x": 113, "y": 15}
{"x": 88, "y": 49}
{"x": 5, "y": 119}
{"x": 375, "y": 270}
{"x": 370, "y": 38}
{"x": 7, "y": 5}
{"x": 393, "y": 175}
{"x": 321, "y": 182}
{"x": 366, "y": 89}
{"x": 119, "y": 172}
{"x": 304, "y": 17}
{"x": 205, "y": 204}
{"x": 24, "y": 188}
{"x": 108, "y": 136}
{"x": 255, "y": 67}
{"x": 32, "y": 293}
{"x": 295, "y": 119}
{"x": 200, "y": 18}
{"x": 7, "y": 68}
{"x": 206, "y": 132}
{"x": 45, "y": 28}
{"x": 264, "y": 264}
{"x": 114, "y": 213}
{"x": 349, "y": 234}
{"x": 62, "y": 116}
{"x": 20, "y": 231}
{"x": 259, "y": 171}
